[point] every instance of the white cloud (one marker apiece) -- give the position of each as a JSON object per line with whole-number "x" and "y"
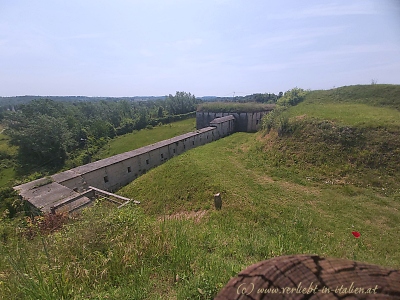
{"x": 305, "y": 35}
{"x": 271, "y": 67}
{"x": 329, "y": 9}
{"x": 360, "y": 8}
{"x": 329, "y": 58}
{"x": 348, "y": 51}
{"x": 186, "y": 44}
{"x": 82, "y": 36}
{"x": 146, "y": 53}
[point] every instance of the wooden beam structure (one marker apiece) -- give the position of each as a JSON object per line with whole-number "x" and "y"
{"x": 108, "y": 194}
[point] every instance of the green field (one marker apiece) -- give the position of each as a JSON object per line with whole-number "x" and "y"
{"x": 362, "y": 106}
{"x": 360, "y": 115}
{"x": 145, "y": 137}
{"x": 7, "y": 152}
{"x": 4, "y": 146}
{"x": 302, "y": 191}
{"x": 114, "y": 146}
{"x": 234, "y": 107}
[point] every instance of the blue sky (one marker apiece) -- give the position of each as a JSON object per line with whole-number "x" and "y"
{"x": 205, "y": 47}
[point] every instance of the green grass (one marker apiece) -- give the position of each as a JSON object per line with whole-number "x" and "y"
{"x": 234, "y": 107}
{"x": 361, "y": 106}
{"x": 7, "y": 154}
{"x": 379, "y": 95}
{"x": 337, "y": 140}
{"x": 177, "y": 242}
{"x": 7, "y": 175}
{"x": 309, "y": 217}
{"x": 304, "y": 191}
{"x": 4, "y": 145}
{"x": 360, "y": 115}
{"x": 145, "y": 137}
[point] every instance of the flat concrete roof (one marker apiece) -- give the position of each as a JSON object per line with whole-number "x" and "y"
{"x": 78, "y": 171}
{"x": 47, "y": 192}
{"x": 45, "y": 196}
{"x": 222, "y": 119}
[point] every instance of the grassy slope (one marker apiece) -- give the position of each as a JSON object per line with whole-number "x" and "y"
{"x": 145, "y": 137}
{"x": 234, "y": 107}
{"x": 7, "y": 172}
{"x": 362, "y": 106}
{"x": 277, "y": 199}
{"x": 115, "y": 146}
{"x": 349, "y": 140}
{"x": 380, "y": 95}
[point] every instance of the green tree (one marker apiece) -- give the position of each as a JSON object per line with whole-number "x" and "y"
{"x": 160, "y": 112}
{"x": 181, "y": 103}
{"x": 10, "y": 204}
{"x": 292, "y": 97}
{"x": 42, "y": 139}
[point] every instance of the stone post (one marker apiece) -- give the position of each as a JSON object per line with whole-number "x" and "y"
{"x": 218, "y": 201}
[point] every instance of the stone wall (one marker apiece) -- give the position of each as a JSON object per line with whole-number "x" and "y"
{"x": 244, "y": 122}
{"x": 114, "y": 172}
{"x": 224, "y": 125}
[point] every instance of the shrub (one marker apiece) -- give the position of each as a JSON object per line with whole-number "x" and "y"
{"x": 46, "y": 224}
{"x": 271, "y": 120}
{"x": 10, "y": 204}
{"x": 292, "y": 97}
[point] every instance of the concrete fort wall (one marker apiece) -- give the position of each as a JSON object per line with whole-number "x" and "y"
{"x": 224, "y": 125}
{"x": 244, "y": 122}
{"x": 114, "y": 172}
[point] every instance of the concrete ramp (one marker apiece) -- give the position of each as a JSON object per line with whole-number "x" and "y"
{"x": 51, "y": 196}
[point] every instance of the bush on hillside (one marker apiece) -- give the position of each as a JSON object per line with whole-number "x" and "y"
{"x": 279, "y": 121}
{"x": 278, "y": 118}
{"x": 292, "y": 97}
{"x": 330, "y": 150}
{"x": 10, "y": 204}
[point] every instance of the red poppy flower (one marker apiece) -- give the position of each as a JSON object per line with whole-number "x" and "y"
{"x": 356, "y": 234}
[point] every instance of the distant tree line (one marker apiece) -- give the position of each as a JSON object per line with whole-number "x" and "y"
{"x": 234, "y": 107}
{"x": 47, "y": 131}
{"x": 268, "y": 98}
{"x": 7, "y": 103}
{"x": 11, "y": 103}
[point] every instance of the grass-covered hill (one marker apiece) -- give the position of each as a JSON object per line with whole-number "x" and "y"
{"x": 234, "y": 107}
{"x": 7, "y": 154}
{"x": 378, "y": 95}
{"x": 328, "y": 166}
{"x": 347, "y": 136}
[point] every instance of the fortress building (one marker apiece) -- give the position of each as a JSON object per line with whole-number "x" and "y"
{"x": 74, "y": 189}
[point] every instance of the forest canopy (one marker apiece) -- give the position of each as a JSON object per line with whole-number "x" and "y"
{"x": 46, "y": 131}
